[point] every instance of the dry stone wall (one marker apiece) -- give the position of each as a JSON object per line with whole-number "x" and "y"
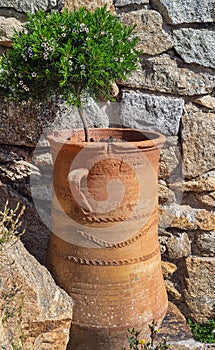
{"x": 172, "y": 92}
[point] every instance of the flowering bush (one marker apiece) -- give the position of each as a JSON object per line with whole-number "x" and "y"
{"x": 68, "y": 53}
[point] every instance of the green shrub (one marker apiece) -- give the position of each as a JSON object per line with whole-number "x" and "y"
{"x": 203, "y": 332}
{"x": 68, "y": 53}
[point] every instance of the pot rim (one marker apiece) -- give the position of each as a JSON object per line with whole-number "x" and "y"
{"x": 151, "y": 139}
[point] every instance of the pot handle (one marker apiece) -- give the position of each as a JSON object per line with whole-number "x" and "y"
{"x": 77, "y": 179}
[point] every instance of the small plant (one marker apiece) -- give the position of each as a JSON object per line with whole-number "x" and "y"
{"x": 204, "y": 333}
{"x": 69, "y": 55}
{"x": 10, "y": 224}
{"x": 136, "y": 343}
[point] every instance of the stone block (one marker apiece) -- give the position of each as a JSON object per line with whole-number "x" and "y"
{"x": 198, "y": 274}
{"x": 149, "y": 25}
{"x": 7, "y": 26}
{"x": 29, "y": 5}
{"x": 162, "y": 74}
{"x": 205, "y": 242}
{"x": 122, "y": 3}
{"x": 90, "y": 4}
{"x": 186, "y": 11}
{"x": 42, "y": 312}
{"x": 195, "y": 46}
{"x": 158, "y": 113}
{"x": 198, "y": 142}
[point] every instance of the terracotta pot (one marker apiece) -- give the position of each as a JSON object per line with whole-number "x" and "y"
{"x": 103, "y": 249}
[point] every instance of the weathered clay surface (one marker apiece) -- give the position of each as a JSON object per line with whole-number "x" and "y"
{"x": 74, "y": 256}
{"x": 149, "y": 24}
{"x": 199, "y": 287}
{"x": 7, "y": 26}
{"x": 186, "y": 11}
{"x": 41, "y": 310}
{"x": 162, "y": 74}
{"x": 195, "y": 46}
{"x": 198, "y": 145}
{"x": 158, "y": 113}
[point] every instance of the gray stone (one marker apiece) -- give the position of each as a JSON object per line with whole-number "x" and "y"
{"x": 162, "y": 74}
{"x": 121, "y": 3}
{"x": 178, "y": 246}
{"x": 195, "y": 46}
{"x": 149, "y": 24}
{"x": 205, "y": 242}
{"x": 198, "y": 274}
{"x": 42, "y": 312}
{"x": 29, "y": 5}
{"x": 158, "y": 113}
{"x": 198, "y": 141}
{"x": 90, "y": 4}
{"x": 28, "y": 124}
{"x": 7, "y": 26}
{"x": 185, "y": 11}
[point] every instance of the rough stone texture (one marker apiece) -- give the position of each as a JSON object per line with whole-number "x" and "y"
{"x": 186, "y": 11}
{"x": 185, "y": 217}
{"x": 166, "y": 196}
{"x": 44, "y": 309}
{"x": 37, "y": 233}
{"x": 122, "y": 3}
{"x": 205, "y": 242}
{"x": 158, "y": 113}
{"x": 178, "y": 246}
{"x": 32, "y": 122}
{"x": 195, "y": 46}
{"x": 170, "y": 161}
{"x": 198, "y": 145}
{"x": 206, "y": 101}
{"x": 199, "y": 287}
{"x": 90, "y": 4}
{"x": 196, "y": 185}
{"x": 149, "y": 24}
{"x": 30, "y": 6}
{"x": 162, "y": 74}
{"x": 7, "y": 26}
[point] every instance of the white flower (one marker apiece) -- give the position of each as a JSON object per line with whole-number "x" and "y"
{"x": 33, "y": 74}
{"x": 82, "y": 66}
{"x": 63, "y": 35}
{"x": 21, "y": 82}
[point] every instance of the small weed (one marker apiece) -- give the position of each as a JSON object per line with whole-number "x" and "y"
{"x": 203, "y": 332}
{"x": 10, "y": 223}
{"x": 136, "y": 343}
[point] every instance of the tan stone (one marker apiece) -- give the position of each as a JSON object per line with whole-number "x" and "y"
{"x": 207, "y": 200}
{"x": 199, "y": 287}
{"x": 196, "y": 185}
{"x": 162, "y": 74}
{"x": 7, "y": 26}
{"x": 186, "y": 218}
{"x": 90, "y": 4}
{"x": 39, "y": 310}
{"x": 206, "y": 101}
{"x": 171, "y": 290}
{"x": 198, "y": 141}
{"x": 178, "y": 246}
{"x": 149, "y": 29}
{"x": 166, "y": 196}
{"x": 169, "y": 159}
{"x": 168, "y": 268}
